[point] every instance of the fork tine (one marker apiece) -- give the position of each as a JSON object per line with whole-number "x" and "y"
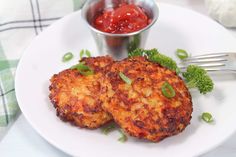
{"x": 206, "y": 60}
{"x": 220, "y": 70}
{"x": 207, "y": 56}
{"x": 205, "y": 66}
{"x": 210, "y": 69}
{"x": 211, "y": 65}
{"x": 218, "y": 62}
{"x": 213, "y": 69}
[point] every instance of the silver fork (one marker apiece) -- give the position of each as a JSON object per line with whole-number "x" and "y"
{"x": 215, "y": 62}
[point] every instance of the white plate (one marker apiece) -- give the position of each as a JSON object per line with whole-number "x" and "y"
{"x": 176, "y": 28}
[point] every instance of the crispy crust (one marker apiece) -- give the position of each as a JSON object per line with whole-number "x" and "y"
{"x": 140, "y": 108}
{"x": 76, "y": 97}
{"x": 97, "y": 63}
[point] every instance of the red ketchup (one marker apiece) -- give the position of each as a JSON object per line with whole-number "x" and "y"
{"x": 126, "y": 18}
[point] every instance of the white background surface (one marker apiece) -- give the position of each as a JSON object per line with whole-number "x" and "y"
{"x": 22, "y": 140}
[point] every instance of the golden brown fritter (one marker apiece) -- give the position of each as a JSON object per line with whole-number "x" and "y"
{"x": 76, "y": 97}
{"x": 140, "y": 108}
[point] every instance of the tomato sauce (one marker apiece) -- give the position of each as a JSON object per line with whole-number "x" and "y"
{"x": 126, "y": 18}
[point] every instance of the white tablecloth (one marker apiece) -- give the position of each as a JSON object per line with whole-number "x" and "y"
{"x": 22, "y": 140}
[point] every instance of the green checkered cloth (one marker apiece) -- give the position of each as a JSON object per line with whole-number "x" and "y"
{"x": 20, "y": 22}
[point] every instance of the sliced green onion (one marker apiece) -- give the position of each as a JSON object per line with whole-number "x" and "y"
{"x": 85, "y": 52}
{"x": 88, "y": 53}
{"x": 167, "y": 90}
{"x": 123, "y": 137}
{"x": 106, "y": 130}
{"x": 125, "y": 78}
{"x": 81, "y": 53}
{"x": 182, "y": 54}
{"x": 68, "y": 56}
{"x": 207, "y": 117}
{"x": 87, "y": 73}
{"x": 83, "y": 69}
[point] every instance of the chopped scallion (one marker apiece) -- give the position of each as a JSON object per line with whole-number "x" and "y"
{"x": 167, "y": 90}
{"x": 81, "y": 53}
{"x": 88, "y": 53}
{"x": 106, "y": 130}
{"x": 123, "y": 137}
{"x": 83, "y": 69}
{"x": 87, "y": 73}
{"x": 68, "y": 56}
{"x": 125, "y": 78}
{"x": 207, "y": 117}
{"x": 85, "y": 52}
{"x": 182, "y": 54}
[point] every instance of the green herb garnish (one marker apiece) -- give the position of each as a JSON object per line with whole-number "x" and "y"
{"x": 125, "y": 78}
{"x": 197, "y": 77}
{"x": 83, "y": 69}
{"x": 123, "y": 137}
{"x": 88, "y": 53}
{"x": 182, "y": 54}
{"x": 68, "y": 56}
{"x": 85, "y": 52}
{"x": 154, "y": 56}
{"x": 106, "y": 130}
{"x": 81, "y": 53}
{"x": 167, "y": 90}
{"x": 207, "y": 117}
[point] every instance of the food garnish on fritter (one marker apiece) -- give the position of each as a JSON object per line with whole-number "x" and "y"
{"x": 75, "y": 93}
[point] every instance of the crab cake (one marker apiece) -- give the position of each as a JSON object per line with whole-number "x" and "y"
{"x": 76, "y": 97}
{"x": 140, "y": 108}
